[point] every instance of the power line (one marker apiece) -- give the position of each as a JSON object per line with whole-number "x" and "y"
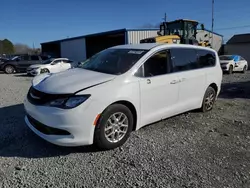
{"x": 235, "y": 27}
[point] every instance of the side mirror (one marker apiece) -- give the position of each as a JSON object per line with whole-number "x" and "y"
{"x": 202, "y": 27}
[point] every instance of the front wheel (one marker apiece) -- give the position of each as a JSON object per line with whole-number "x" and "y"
{"x": 230, "y": 70}
{"x": 44, "y": 71}
{"x": 244, "y": 69}
{"x": 208, "y": 100}
{"x": 113, "y": 127}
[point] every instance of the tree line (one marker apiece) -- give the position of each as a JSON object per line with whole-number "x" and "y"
{"x": 8, "y": 48}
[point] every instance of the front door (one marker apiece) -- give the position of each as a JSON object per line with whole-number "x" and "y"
{"x": 23, "y": 62}
{"x": 65, "y": 65}
{"x": 159, "y": 89}
{"x": 55, "y": 66}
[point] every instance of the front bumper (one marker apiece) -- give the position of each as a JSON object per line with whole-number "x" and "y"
{"x": 33, "y": 72}
{"x": 75, "y": 126}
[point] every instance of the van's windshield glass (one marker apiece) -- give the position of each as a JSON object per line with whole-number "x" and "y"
{"x": 113, "y": 61}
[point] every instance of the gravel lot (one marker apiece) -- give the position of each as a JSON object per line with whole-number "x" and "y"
{"x": 189, "y": 150}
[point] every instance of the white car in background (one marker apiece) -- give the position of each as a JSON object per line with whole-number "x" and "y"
{"x": 52, "y": 65}
{"x": 233, "y": 63}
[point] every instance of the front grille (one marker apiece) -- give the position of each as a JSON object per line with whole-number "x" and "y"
{"x": 46, "y": 129}
{"x": 40, "y": 98}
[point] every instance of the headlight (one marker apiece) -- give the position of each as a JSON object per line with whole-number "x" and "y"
{"x": 70, "y": 102}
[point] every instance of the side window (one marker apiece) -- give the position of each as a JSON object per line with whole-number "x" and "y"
{"x": 67, "y": 61}
{"x": 242, "y": 59}
{"x": 155, "y": 65}
{"x": 24, "y": 58}
{"x": 206, "y": 58}
{"x": 56, "y": 62}
{"x": 184, "y": 59}
{"x": 34, "y": 58}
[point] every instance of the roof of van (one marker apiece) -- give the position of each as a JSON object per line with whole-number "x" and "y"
{"x": 148, "y": 46}
{"x": 143, "y": 46}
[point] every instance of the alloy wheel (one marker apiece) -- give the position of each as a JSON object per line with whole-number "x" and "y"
{"x": 9, "y": 69}
{"x": 209, "y": 101}
{"x": 116, "y": 127}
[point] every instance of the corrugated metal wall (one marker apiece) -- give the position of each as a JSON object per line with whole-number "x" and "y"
{"x": 134, "y": 37}
{"x": 74, "y": 49}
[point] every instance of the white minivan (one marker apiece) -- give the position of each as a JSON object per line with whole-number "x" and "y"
{"x": 122, "y": 89}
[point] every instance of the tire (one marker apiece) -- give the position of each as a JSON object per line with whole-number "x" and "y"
{"x": 103, "y": 139}
{"x": 44, "y": 71}
{"x": 244, "y": 69}
{"x": 208, "y": 100}
{"x": 9, "y": 69}
{"x": 230, "y": 70}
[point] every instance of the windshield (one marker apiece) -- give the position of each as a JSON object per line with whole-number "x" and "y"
{"x": 226, "y": 57}
{"x": 175, "y": 28}
{"x": 113, "y": 61}
{"x": 15, "y": 57}
{"x": 48, "y": 61}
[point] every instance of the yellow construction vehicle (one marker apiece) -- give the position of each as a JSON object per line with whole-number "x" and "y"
{"x": 180, "y": 31}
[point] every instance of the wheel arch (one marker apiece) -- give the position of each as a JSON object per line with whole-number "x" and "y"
{"x": 214, "y": 86}
{"x": 131, "y": 107}
{"x": 10, "y": 64}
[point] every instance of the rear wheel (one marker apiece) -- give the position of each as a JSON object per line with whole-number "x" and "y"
{"x": 208, "y": 100}
{"x": 9, "y": 69}
{"x": 230, "y": 71}
{"x": 113, "y": 127}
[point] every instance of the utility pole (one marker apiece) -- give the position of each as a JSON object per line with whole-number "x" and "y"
{"x": 165, "y": 17}
{"x": 212, "y": 21}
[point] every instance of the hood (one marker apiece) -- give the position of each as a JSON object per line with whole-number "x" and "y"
{"x": 36, "y": 66}
{"x": 69, "y": 81}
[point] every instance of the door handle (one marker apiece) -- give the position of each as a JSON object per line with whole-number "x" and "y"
{"x": 177, "y": 81}
{"x": 174, "y": 81}
{"x": 148, "y": 81}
